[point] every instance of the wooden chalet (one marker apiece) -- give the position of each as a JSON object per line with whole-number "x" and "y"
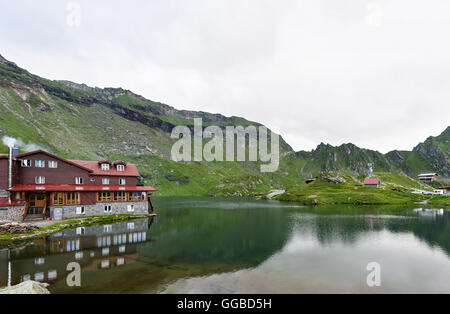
{"x": 39, "y": 184}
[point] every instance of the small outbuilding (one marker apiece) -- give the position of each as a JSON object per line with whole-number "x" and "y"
{"x": 373, "y": 182}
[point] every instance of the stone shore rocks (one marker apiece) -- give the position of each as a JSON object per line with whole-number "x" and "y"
{"x": 274, "y": 193}
{"x": 16, "y": 228}
{"x": 27, "y": 287}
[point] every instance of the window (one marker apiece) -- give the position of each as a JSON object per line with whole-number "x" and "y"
{"x": 105, "y": 264}
{"x": 122, "y": 181}
{"x": 58, "y": 198}
{"x": 105, "y": 181}
{"x": 26, "y": 277}
{"x": 78, "y": 180}
{"x": 52, "y": 274}
{"x": 105, "y": 167}
{"x": 136, "y": 196}
{"x": 39, "y": 163}
{"x": 120, "y": 196}
{"x": 73, "y": 198}
{"x": 103, "y": 196}
{"x": 108, "y": 209}
{"x": 80, "y": 210}
{"x": 26, "y": 163}
{"x": 81, "y": 230}
{"x": 52, "y": 164}
{"x": 130, "y": 208}
{"x": 120, "y": 168}
{"x": 39, "y": 180}
{"x": 39, "y": 276}
{"x": 20, "y": 196}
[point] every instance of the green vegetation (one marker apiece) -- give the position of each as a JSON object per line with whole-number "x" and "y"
{"x": 392, "y": 180}
{"x": 214, "y": 178}
{"x": 344, "y": 189}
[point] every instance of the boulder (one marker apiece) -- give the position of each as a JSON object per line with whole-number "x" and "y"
{"x": 16, "y": 228}
{"x": 27, "y": 287}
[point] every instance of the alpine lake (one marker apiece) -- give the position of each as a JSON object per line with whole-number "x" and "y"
{"x": 228, "y": 245}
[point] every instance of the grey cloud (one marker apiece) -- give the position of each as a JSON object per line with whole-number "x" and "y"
{"x": 367, "y": 72}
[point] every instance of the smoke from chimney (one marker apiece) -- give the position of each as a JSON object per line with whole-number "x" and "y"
{"x": 18, "y": 143}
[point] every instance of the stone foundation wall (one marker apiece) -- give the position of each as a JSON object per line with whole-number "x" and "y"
{"x": 70, "y": 211}
{"x": 11, "y": 213}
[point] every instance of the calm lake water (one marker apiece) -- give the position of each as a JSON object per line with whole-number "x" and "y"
{"x": 211, "y": 245}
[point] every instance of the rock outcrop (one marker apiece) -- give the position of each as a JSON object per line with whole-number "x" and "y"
{"x": 27, "y": 287}
{"x": 16, "y": 228}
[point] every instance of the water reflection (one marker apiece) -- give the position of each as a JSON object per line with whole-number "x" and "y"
{"x": 95, "y": 247}
{"x": 200, "y": 245}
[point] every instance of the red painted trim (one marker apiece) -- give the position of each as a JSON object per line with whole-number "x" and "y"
{"x": 80, "y": 188}
{"x": 4, "y": 201}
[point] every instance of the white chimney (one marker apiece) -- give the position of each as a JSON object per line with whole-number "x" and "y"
{"x": 10, "y": 166}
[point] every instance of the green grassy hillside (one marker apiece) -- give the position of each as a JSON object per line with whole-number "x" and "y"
{"x": 338, "y": 188}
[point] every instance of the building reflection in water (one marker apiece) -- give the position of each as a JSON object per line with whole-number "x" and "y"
{"x": 95, "y": 247}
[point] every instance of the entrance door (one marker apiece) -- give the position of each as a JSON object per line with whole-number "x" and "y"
{"x": 38, "y": 200}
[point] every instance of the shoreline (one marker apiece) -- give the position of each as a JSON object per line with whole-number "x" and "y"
{"x": 57, "y": 226}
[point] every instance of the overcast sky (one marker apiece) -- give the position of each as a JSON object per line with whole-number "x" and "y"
{"x": 374, "y": 73}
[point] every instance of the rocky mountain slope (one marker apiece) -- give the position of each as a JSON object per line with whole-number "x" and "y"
{"x": 433, "y": 155}
{"x": 346, "y": 157}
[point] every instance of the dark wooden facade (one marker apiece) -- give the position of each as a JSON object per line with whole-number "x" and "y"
{"x": 3, "y": 172}
{"x": 62, "y": 186}
{"x": 65, "y": 173}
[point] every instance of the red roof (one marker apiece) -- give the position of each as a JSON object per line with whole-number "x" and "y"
{"x": 95, "y": 168}
{"x": 3, "y": 156}
{"x": 445, "y": 188}
{"x": 80, "y": 187}
{"x": 4, "y": 201}
{"x": 371, "y": 181}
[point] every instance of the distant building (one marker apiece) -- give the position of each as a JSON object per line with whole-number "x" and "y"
{"x": 373, "y": 182}
{"x": 427, "y": 177}
{"x": 446, "y": 190}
